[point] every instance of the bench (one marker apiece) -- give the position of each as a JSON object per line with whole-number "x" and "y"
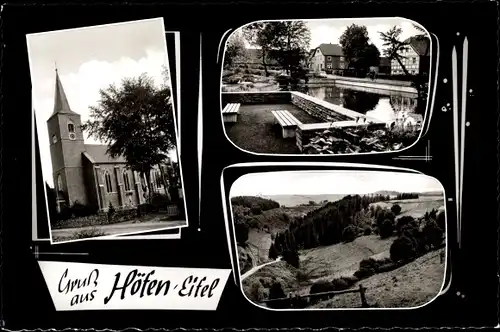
{"x": 230, "y": 112}
{"x": 287, "y": 122}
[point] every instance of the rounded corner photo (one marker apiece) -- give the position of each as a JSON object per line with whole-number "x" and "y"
{"x": 329, "y": 240}
{"x": 326, "y": 86}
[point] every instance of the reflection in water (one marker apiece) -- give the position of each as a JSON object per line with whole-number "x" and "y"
{"x": 379, "y": 106}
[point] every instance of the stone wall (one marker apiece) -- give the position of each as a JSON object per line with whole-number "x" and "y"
{"x": 316, "y": 109}
{"x": 249, "y": 98}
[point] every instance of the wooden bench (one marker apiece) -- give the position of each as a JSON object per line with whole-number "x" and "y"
{"x": 287, "y": 122}
{"x": 230, "y": 112}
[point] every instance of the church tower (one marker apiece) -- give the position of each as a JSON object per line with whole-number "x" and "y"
{"x": 66, "y": 148}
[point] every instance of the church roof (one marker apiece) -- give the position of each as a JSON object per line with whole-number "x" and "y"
{"x": 61, "y": 104}
{"x": 98, "y": 154}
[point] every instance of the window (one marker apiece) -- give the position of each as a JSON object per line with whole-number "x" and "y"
{"x": 329, "y": 58}
{"x": 107, "y": 178}
{"x": 329, "y": 65}
{"x": 413, "y": 72}
{"x": 414, "y": 60}
{"x": 341, "y": 58}
{"x": 71, "y": 127}
{"x": 320, "y": 66}
{"x": 158, "y": 179}
{"x": 126, "y": 181}
{"x": 59, "y": 183}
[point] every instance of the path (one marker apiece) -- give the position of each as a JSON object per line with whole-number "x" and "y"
{"x": 257, "y": 268}
{"x": 120, "y": 228}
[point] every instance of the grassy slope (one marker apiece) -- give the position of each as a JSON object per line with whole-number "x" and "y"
{"x": 343, "y": 260}
{"x": 415, "y": 207}
{"x": 411, "y": 285}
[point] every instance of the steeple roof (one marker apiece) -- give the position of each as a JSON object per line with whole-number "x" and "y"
{"x": 61, "y": 104}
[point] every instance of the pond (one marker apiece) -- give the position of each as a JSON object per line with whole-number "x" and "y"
{"x": 386, "y": 106}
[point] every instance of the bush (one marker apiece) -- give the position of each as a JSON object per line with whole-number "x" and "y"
{"x": 144, "y": 208}
{"x": 432, "y": 234}
{"x": 291, "y": 257}
{"x": 87, "y": 233}
{"x": 396, "y": 209}
{"x": 386, "y": 229}
{"x": 276, "y": 292}
{"x": 159, "y": 200}
{"x": 241, "y": 230}
{"x": 339, "y": 284}
{"x": 367, "y": 231}
{"x": 441, "y": 220}
{"x": 321, "y": 286}
{"x": 255, "y": 210}
{"x": 81, "y": 210}
{"x": 111, "y": 212}
{"x": 402, "y": 249}
{"x": 405, "y": 221}
{"x": 233, "y": 79}
{"x": 349, "y": 234}
{"x": 273, "y": 253}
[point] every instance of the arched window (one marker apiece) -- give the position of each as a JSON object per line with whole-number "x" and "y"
{"x": 107, "y": 177}
{"x": 59, "y": 183}
{"x": 158, "y": 179}
{"x": 126, "y": 181}
{"x": 71, "y": 127}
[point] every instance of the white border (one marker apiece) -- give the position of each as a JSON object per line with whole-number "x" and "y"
{"x": 175, "y": 115}
{"x": 366, "y": 168}
{"x": 425, "y": 122}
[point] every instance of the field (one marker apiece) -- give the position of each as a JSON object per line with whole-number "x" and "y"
{"x": 410, "y": 285}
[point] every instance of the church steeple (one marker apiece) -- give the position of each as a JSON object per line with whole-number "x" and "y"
{"x": 61, "y": 104}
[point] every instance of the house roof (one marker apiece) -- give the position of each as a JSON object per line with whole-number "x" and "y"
{"x": 331, "y": 49}
{"x": 385, "y": 62}
{"x": 421, "y": 45}
{"x": 98, "y": 154}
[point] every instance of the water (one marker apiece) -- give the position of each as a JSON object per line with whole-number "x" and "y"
{"x": 385, "y": 106}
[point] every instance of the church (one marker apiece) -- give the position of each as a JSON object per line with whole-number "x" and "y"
{"x": 85, "y": 173}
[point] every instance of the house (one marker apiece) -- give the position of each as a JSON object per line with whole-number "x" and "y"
{"x": 85, "y": 173}
{"x": 384, "y": 66}
{"x": 328, "y": 58}
{"x": 416, "y": 57}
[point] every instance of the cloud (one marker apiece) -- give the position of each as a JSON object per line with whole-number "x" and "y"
{"x": 82, "y": 89}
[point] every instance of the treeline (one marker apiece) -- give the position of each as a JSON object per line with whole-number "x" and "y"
{"x": 255, "y": 204}
{"x": 407, "y": 196}
{"x": 335, "y": 222}
{"x": 245, "y": 208}
{"x": 323, "y": 226}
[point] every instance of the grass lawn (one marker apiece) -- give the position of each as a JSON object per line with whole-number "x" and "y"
{"x": 255, "y": 130}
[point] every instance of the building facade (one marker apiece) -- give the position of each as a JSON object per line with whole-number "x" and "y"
{"x": 85, "y": 173}
{"x": 328, "y": 58}
{"x": 415, "y": 57}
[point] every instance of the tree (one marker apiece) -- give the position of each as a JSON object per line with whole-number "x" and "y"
{"x": 290, "y": 44}
{"x": 386, "y": 229}
{"x": 396, "y": 209}
{"x": 358, "y": 52}
{"x": 394, "y": 47}
{"x": 349, "y": 234}
{"x": 402, "y": 249}
{"x": 136, "y": 121}
{"x": 235, "y": 48}
{"x": 241, "y": 231}
{"x": 260, "y": 35}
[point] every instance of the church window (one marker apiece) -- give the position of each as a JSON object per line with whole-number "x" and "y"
{"x": 59, "y": 183}
{"x": 158, "y": 179}
{"x": 71, "y": 127}
{"x": 107, "y": 178}
{"x": 126, "y": 181}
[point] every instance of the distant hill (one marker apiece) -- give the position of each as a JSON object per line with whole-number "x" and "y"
{"x": 294, "y": 200}
{"x": 395, "y": 193}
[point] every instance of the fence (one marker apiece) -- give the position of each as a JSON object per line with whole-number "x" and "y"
{"x": 361, "y": 290}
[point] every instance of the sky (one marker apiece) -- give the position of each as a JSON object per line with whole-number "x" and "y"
{"x": 329, "y": 30}
{"x": 330, "y": 182}
{"x": 89, "y": 59}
